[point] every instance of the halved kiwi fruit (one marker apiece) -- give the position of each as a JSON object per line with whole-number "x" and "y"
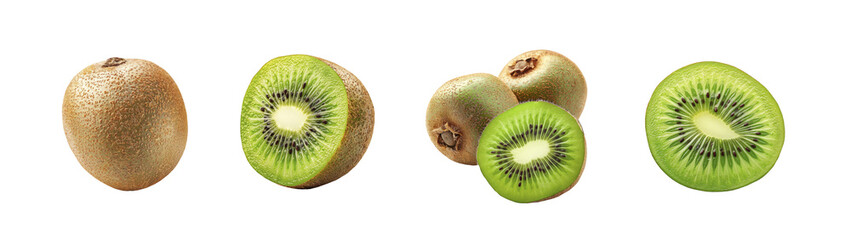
{"x": 125, "y": 122}
{"x": 712, "y": 127}
{"x": 460, "y": 110}
{"x": 533, "y": 152}
{"x": 305, "y": 121}
{"x": 546, "y": 75}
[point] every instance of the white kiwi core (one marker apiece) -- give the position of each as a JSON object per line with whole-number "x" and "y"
{"x": 530, "y": 151}
{"x": 713, "y": 126}
{"x": 289, "y": 118}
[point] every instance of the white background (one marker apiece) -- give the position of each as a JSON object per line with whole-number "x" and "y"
{"x": 402, "y": 52}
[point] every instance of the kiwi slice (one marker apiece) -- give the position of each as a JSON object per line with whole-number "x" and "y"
{"x": 305, "y": 121}
{"x": 459, "y": 111}
{"x": 533, "y": 152}
{"x": 712, "y": 127}
{"x": 546, "y": 75}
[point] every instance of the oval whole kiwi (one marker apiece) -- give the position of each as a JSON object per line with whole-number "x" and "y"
{"x": 546, "y": 75}
{"x": 305, "y": 121}
{"x": 125, "y": 121}
{"x": 460, "y": 110}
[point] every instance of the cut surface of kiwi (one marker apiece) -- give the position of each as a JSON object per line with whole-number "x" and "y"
{"x": 712, "y": 127}
{"x": 532, "y": 152}
{"x": 305, "y": 121}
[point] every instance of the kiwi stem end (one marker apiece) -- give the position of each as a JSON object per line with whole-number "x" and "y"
{"x": 523, "y": 66}
{"x": 114, "y": 61}
{"x": 447, "y": 136}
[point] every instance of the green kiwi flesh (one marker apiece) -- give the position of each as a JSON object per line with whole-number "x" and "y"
{"x": 459, "y": 111}
{"x": 546, "y": 75}
{"x": 534, "y": 151}
{"x": 305, "y": 121}
{"x": 712, "y": 127}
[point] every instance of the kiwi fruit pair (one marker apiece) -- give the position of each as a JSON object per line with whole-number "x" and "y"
{"x": 125, "y": 122}
{"x": 712, "y": 127}
{"x": 529, "y": 151}
{"x": 461, "y": 108}
{"x": 305, "y": 121}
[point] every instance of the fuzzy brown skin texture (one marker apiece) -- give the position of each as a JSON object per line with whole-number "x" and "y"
{"x": 461, "y": 109}
{"x": 361, "y": 120}
{"x": 125, "y": 122}
{"x": 546, "y": 75}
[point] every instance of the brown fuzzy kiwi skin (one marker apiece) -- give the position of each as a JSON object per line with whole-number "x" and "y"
{"x": 546, "y": 75}
{"x": 361, "y": 120}
{"x": 462, "y": 108}
{"x": 125, "y": 121}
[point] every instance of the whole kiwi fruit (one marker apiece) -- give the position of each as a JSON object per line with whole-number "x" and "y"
{"x": 125, "y": 122}
{"x": 459, "y": 111}
{"x": 546, "y": 75}
{"x": 533, "y": 152}
{"x": 713, "y": 127}
{"x": 305, "y": 121}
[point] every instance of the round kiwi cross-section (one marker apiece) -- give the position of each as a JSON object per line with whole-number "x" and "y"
{"x": 533, "y": 152}
{"x": 712, "y": 127}
{"x": 305, "y": 121}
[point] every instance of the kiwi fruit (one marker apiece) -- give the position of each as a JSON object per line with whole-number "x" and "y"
{"x": 459, "y": 111}
{"x": 125, "y": 122}
{"x": 305, "y": 121}
{"x": 546, "y": 75}
{"x": 533, "y": 152}
{"x": 712, "y": 127}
